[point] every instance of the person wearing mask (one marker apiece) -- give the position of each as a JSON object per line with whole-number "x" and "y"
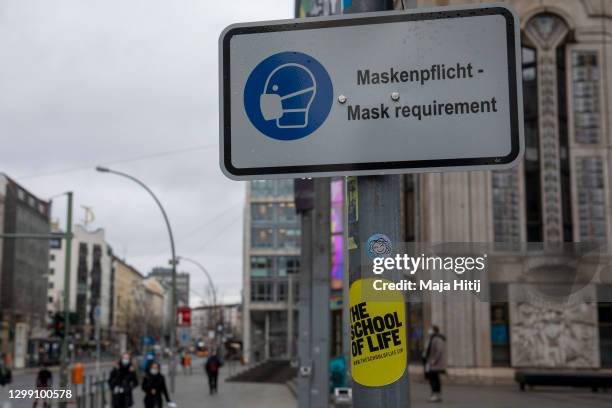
{"x": 434, "y": 358}
{"x": 212, "y": 370}
{"x": 154, "y": 387}
{"x": 122, "y": 381}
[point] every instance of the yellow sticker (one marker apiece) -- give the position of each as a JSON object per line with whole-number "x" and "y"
{"x": 351, "y": 243}
{"x": 378, "y": 334}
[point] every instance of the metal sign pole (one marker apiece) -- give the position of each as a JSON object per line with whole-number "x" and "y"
{"x": 320, "y": 314}
{"x": 305, "y": 281}
{"x": 67, "y": 267}
{"x": 376, "y": 211}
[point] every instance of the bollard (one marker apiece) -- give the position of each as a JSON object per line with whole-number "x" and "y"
{"x": 103, "y": 390}
{"x": 91, "y": 391}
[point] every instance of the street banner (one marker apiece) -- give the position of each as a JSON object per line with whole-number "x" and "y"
{"x": 376, "y": 93}
{"x": 183, "y": 317}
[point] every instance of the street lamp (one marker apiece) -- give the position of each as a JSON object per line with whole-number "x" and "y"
{"x": 203, "y": 269}
{"x": 174, "y": 262}
{"x": 212, "y": 286}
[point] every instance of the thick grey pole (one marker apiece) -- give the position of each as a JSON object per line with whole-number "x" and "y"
{"x": 377, "y": 212}
{"x": 305, "y": 280}
{"x": 67, "y": 268}
{"x": 320, "y": 317}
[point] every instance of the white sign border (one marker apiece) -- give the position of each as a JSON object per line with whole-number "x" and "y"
{"x": 369, "y": 168}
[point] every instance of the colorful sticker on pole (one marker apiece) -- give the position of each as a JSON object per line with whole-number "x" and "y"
{"x": 378, "y": 334}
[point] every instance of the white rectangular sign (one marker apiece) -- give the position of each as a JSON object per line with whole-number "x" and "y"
{"x": 377, "y": 93}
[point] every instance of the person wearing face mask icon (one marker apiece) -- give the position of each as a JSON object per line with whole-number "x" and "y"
{"x": 288, "y": 93}
{"x": 154, "y": 387}
{"x": 434, "y": 358}
{"x": 122, "y": 381}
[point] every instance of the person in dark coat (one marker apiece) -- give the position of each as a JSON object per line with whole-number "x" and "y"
{"x": 44, "y": 380}
{"x": 154, "y": 387}
{"x": 435, "y": 362}
{"x": 212, "y": 370}
{"x": 122, "y": 381}
{"x": 5, "y": 371}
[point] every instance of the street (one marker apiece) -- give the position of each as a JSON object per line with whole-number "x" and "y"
{"x": 192, "y": 391}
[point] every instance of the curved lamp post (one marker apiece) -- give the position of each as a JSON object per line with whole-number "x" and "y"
{"x": 174, "y": 262}
{"x": 203, "y": 269}
{"x": 212, "y": 286}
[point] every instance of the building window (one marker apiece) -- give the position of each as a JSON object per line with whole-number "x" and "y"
{"x": 262, "y": 237}
{"x": 288, "y": 238}
{"x": 261, "y": 291}
{"x": 500, "y": 326}
{"x": 50, "y": 299}
{"x": 287, "y": 265}
{"x": 286, "y": 213}
{"x": 51, "y": 271}
{"x": 262, "y": 266}
{"x": 262, "y": 188}
{"x": 262, "y": 212}
{"x": 282, "y": 291}
{"x": 285, "y": 187}
{"x": 605, "y": 325}
{"x": 585, "y": 76}
{"x": 533, "y": 198}
{"x": 591, "y": 199}
{"x": 506, "y": 224}
{"x": 51, "y": 285}
{"x": 564, "y": 154}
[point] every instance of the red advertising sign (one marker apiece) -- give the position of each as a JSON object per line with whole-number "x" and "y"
{"x": 183, "y": 316}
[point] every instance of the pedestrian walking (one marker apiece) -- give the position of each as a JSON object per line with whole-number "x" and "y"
{"x": 5, "y": 371}
{"x": 434, "y": 359}
{"x": 186, "y": 363}
{"x": 212, "y": 366}
{"x": 154, "y": 387}
{"x": 122, "y": 381}
{"x": 44, "y": 380}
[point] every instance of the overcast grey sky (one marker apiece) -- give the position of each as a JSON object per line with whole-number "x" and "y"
{"x": 85, "y": 83}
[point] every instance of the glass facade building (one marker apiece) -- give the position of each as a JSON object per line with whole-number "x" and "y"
{"x": 271, "y": 261}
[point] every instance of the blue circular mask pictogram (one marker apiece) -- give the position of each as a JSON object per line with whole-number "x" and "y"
{"x": 288, "y": 96}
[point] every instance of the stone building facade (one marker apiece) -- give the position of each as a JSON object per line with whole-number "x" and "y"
{"x": 559, "y": 195}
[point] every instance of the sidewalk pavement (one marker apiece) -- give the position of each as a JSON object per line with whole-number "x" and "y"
{"x": 192, "y": 391}
{"x": 473, "y": 396}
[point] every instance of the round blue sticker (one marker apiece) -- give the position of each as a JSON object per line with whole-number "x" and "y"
{"x": 288, "y": 96}
{"x": 379, "y": 246}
